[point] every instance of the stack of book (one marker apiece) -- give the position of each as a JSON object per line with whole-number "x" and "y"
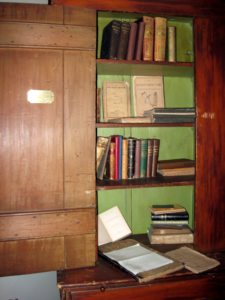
{"x": 126, "y": 158}
{"x": 176, "y": 167}
{"x": 144, "y": 39}
{"x": 169, "y": 225}
{"x": 171, "y": 115}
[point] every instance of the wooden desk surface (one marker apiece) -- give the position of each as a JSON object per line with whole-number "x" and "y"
{"x": 106, "y": 281}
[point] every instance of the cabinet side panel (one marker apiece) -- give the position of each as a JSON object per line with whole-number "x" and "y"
{"x": 80, "y": 251}
{"x": 79, "y": 16}
{"x": 79, "y": 133}
{"x": 31, "y": 152}
{"x": 31, "y": 256}
{"x": 210, "y": 134}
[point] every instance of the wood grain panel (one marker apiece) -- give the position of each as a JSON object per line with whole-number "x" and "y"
{"x": 31, "y": 152}
{"x": 79, "y": 16}
{"x": 44, "y": 35}
{"x": 172, "y": 7}
{"x": 31, "y": 13}
{"x": 210, "y": 134}
{"x": 46, "y": 224}
{"x": 80, "y": 251}
{"x": 31, "y": 256}
{"x": 79, "y": 132}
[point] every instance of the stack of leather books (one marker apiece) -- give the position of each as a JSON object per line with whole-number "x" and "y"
{"x": 176, "y": 167}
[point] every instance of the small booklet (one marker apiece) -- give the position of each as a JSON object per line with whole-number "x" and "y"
{"x": 111, "y": 226}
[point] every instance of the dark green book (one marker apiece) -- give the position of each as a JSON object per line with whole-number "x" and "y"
{"x": 143, "y": 163}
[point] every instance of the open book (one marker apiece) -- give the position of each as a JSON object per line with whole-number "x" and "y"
{"x": 111, "y": 226}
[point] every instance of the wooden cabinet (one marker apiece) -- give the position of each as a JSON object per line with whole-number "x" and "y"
{"x": 47, "y": 180}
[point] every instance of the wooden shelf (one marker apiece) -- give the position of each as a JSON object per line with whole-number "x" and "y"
{"x": 106, "y": 184}
{"x": 108, "y": 125}
{"x": 144, "y": 68}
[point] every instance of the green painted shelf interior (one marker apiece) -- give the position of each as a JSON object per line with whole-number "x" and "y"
{"x": 175, "y": 142}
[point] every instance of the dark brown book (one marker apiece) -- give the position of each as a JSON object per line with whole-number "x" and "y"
{"x": 167, "y": 230}
{"x": 149, "y": 158}
{"x": 131, "y": 41}
{"x": 155, "y": 156}
{"x": 110, "y": 40}
{"x": 175, "y": 163}
{"x": 139, "y": 41}
{"x": 110, "y": 166}
{"x": 131, "y": 157}
{"x": 98, "y": 105}
{"x": 137, "y": 159}
{"x": 123, "y": 40}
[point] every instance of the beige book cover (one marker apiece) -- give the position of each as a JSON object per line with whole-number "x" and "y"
{"x": 116, "y": 100}
{"x": 148, "y": 93}
{"x": 160, "y": 39}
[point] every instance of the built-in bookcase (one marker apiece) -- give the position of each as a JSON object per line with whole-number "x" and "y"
{"x": 176, "y": 140}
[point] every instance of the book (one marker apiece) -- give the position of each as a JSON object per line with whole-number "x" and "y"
{"x": 149, "y": 158}
{"x": 100, "y": 148}
{"x": 110, "y": 166}
{"x": 110, "y": 40}
{"x": 166, "y": 209}
{"x": 160, "y": 39}
{"x": 177, "y": 171}
{"x": 123, "y": 40}
{"x": 172, "y": 119}
{"x": 155, "y": 155}
{"x": 175, "y": 163}
{"x": 170, "y": 217}
{"x": 102, "y": 165}
{"x": 116, "y": 100}
{"x": 115, "y": 139}
{"x": 131, "y": 41}
{"x": 171, "y": 222}
{"x": 194, "y": 261}
{"x": 131, "y": 157}
{"x": 124, "y": 158}
{"x": 148, "y": 37}
{"x": 179, "y": 238}
{"x": 139, "y": 41}
{"x": 112, "y": 226}
{"x": 98, "y": 105}
{"x": 131, "y": 120}
{"x": 171, "y": 43}
{"x": 148, "y": 94}
{"x": 137, "y": 159}
{"x": 170, "y": 229}
{"x": 120, "y": 156}
{"x": 143, "y": 161}
{"x": 163, "y": 111}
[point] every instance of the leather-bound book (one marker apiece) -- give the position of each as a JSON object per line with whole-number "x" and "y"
{"x": 168, "y": 217}
{"x": 131, "y": 157}
{"x": 175, "y": 163}
{"x": 148, "y": 37}
{"x": 155, "y": 156}
{"x": 102, "y": 165}
{"x": 149, "y": 159}
{"x": 120, "y": 156}
{"x": 100, "y": 148}
{"x": 110, "y": 40}
{"x": 123, "y": 40}
{"x": 160, "y": 39}
{"x": 110, "y": 166}
{"x": 143, "y": 163}
{"x": 124, "y": 158}
{"x": 139, "y": 41}
{"x": 132, "y": 41}
{"x": 137, "y": 159}
{"x": 115, "y": 139}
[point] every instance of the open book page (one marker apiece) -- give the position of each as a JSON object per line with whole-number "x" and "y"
{"x": 138, "y": 259}
{"x": 193, "y": 260}
{"x": 115, "y": 224}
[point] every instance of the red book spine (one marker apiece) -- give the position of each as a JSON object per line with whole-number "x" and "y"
{"x": 139, "y": 41}
{"x": 117, "y": 153}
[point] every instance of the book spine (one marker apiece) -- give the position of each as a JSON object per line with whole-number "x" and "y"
{"x": 111, "y": 166}
{"x": 100, "y": 148}
{"x": 98, "y": 105}
{"x": 137, "y": 159}
{"x": 124, "y": 158}
{"x": 170, "y": 217}
{"x": 183, "y": 222}
{"x": 171, "y": 238}
{"x": 123, "y": 40}
{"x": 148, "y": 38}
{"x": 155, "y": 156}
{"x": 143, "y": 163}
{"x": 120, "y": 156}
{"x": 173, "y": 165}
{"x": 149, "y": 159}
{"x": 172, "y": 119}
{"x": 131, "y": 158}
{"x": 160, "y": 39}
{"x": 172, "y": 44}
{"x": 102, "y": 165}
{"x": 117, "y": 153}
{"x": 139, "y": 41}
{"x": 110, "y": 39}
{"x": 131, "y": 41}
